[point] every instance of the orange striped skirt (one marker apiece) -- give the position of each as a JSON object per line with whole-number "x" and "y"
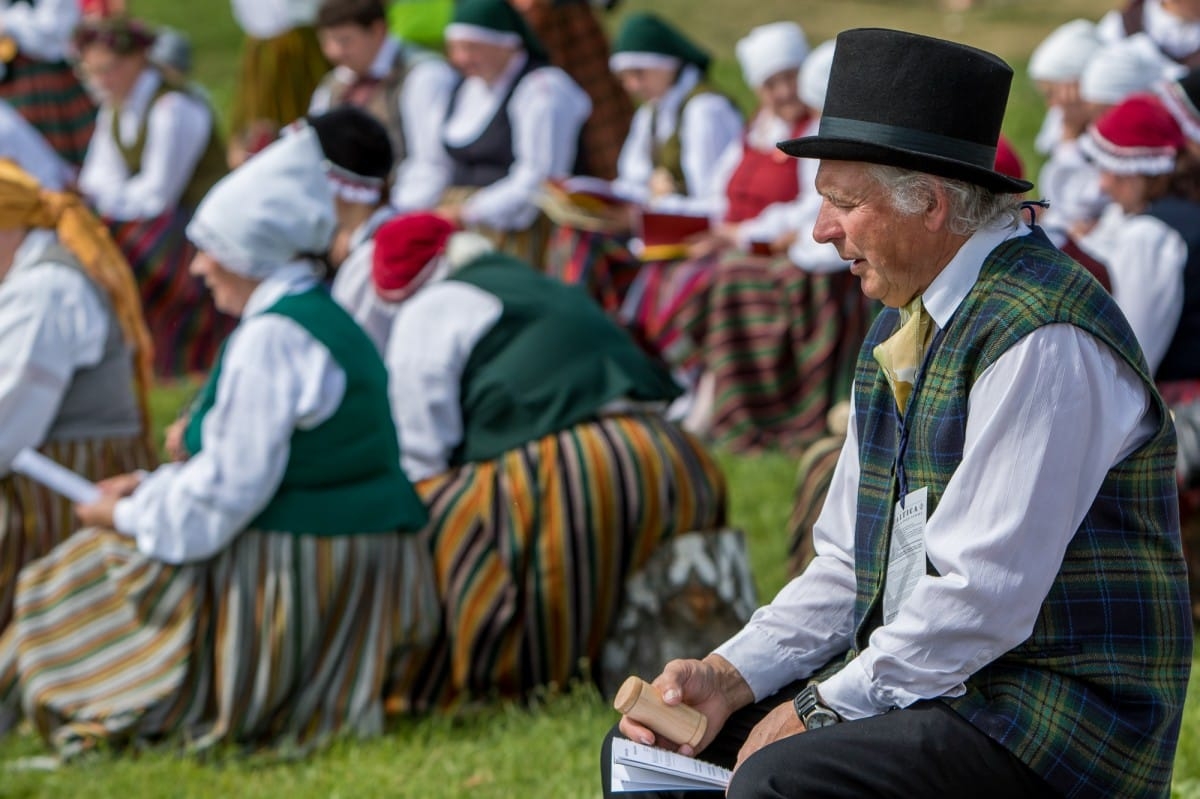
{"x": 532, "y": 551}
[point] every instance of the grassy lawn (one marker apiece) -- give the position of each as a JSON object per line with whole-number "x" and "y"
{"x": 549, "y": 749}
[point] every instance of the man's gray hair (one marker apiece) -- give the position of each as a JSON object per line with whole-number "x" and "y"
{"x": 971, "y": 207}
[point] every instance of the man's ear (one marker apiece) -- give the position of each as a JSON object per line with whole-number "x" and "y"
{"x": 937, "y": 212}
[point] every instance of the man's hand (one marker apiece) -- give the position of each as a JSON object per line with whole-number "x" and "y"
{"x": 780, "y": 723}
{"x": 712, "y": 686}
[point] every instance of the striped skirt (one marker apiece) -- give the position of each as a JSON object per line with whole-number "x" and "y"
{"x": 50, "y": 96}
{"x": 599, "y": 262}
{"x": 532, "y": 551}
{"x": 814, "y": 473}
{"x": 34, "y": 519}
{"x": 655, "y": 302}
{"x": 277, "y": 79}
{"x": 280, "y": 640}
{"x": 780, "y": 343}
{"x": 185, "y": 326}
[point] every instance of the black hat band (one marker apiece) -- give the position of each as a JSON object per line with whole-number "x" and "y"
{"x": 935, "y": 144}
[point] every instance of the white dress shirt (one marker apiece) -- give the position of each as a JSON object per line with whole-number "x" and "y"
{"x": 1145, "y": 258}
{"x": 709, "y": 124}
{"x": 41, "y": 28}
{"x": 178, "y": 126}
{"x": 22, "y": 143}
{"x": 52, "y": 323}
{"x": 1173, "y": 36}
{"x": 546, "y": 111}
{"x": 353, "y": 288}
{"x": 1046, "y": 421}
{"x": 266, "y": 19}
{"x": 433, "y": 335}
{"x": 419, "y": 179}
{"x": 275, "y": 378}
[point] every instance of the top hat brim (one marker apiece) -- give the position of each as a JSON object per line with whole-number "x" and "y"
{"x": 844, "y": 149}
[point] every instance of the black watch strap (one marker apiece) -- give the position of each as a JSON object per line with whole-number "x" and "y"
{"x": 811, "y": 711}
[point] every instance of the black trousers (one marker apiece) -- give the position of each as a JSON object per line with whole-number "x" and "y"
{"x": 926, "y": 750}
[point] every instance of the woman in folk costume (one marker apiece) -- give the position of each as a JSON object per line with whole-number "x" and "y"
{"x": 1149, "y": 236}
{"x": 513, "y": 124}
{"x": 669, "y": 161}
{"x": 531, "y": 425}
{"x": 75, "y": 363}
{"x": 36, "y": 77}
{"x": 155, "y": 153}
{"x": 1173, "y": 26}
{"x": 756, "y": 189}
{"x": 282, "y": 64}
{"x": 1182, "y": 99}
{"x": 261, "y": 592}
{"x": 359, "y": 159}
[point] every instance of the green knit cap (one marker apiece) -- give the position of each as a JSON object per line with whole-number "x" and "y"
{"x": 498, "y": 16}
{"x": 643, "y": 32}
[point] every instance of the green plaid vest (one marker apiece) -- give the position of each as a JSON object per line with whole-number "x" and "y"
{"x": 1092, "y": 700}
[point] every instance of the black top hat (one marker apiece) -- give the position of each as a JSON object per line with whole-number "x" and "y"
{"x": 914, "y": 102}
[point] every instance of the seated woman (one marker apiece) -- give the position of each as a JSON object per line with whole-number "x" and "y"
{"x": 1172, "y": 25}
{"x": 38, "y": 80}
{"x": 155, "y": 153}
{"x": 513, "y": 123}
{"x": 261, "y": 592}
{"x": 1148, "y": 238}
{"x": 669, "y": 160}
{"x": 75, "y": 365}
{"x": 531, "y": 425}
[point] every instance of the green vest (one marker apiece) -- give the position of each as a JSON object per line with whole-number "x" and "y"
{"x": 551, "y": 361}
{"x": 212, "y": 165}
{"x": 343, "y": 476}
{"x": 669, "y": 154}
{"x": 1092, "y": 700}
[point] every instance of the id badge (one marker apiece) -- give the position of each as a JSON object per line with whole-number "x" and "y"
{"x": 906, "y": 555}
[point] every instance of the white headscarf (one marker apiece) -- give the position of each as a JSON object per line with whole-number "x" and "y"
{"x": 770, "y": 49}
{"x": 270, "y": 211}
{"x": 814, "y": 75}
{"x": 1063, "y": 54}
{"x": 1132, "y": 65}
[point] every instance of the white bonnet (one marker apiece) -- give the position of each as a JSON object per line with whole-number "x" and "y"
{"x": 770, "y": 49}
{"x": 269, "y": 211}
{"x": 1063, "y": 54}
{"x": 1126, "y": 67}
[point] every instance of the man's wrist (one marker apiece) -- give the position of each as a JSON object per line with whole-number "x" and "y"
{"x": 730, "y": 683}
{"x": 813, "y": 712}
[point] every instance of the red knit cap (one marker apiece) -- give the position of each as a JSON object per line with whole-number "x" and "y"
{"x": 405, "y": 250}
{"x": 1007, "y": 160}
{"x": 1137, "y": 137}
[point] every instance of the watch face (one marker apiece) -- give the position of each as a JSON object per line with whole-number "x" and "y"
{"x": 820, "y": 718}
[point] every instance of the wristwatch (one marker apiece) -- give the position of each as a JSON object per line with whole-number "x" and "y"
{"x": 811, "y": 711}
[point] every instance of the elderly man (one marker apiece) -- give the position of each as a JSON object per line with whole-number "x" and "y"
{"x": 998, "y": 604}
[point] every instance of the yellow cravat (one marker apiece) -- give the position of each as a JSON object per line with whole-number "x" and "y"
{"x": 900, "y": 356}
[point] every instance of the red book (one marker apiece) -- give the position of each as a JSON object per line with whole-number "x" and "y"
{"x": 666, "y": 236}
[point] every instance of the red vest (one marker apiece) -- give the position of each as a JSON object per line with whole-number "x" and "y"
{"x": 762, "y": 178}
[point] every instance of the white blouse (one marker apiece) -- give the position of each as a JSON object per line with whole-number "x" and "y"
{"x": 709, "y": 125}
{"x": 177, "y": 131}
{"x": 275, "y": 378}
{"x": 547, "y": 111}
{"x": 1145, "y": 259}
{"x": 52, "y": 323}
{"x": 996, "y": 538}
{"x": 353, "y": 288}
{"x": 1071, "y": 184}
{"x": 41, "y": 28}
{"x": 1173, "y": 36}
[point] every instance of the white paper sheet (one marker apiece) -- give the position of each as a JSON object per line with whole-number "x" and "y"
{"x": 636, "y": 767}
{"x": 37, "y": 466}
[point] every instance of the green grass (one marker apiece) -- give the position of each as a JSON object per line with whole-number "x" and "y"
{"x": 549, "y": 749}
